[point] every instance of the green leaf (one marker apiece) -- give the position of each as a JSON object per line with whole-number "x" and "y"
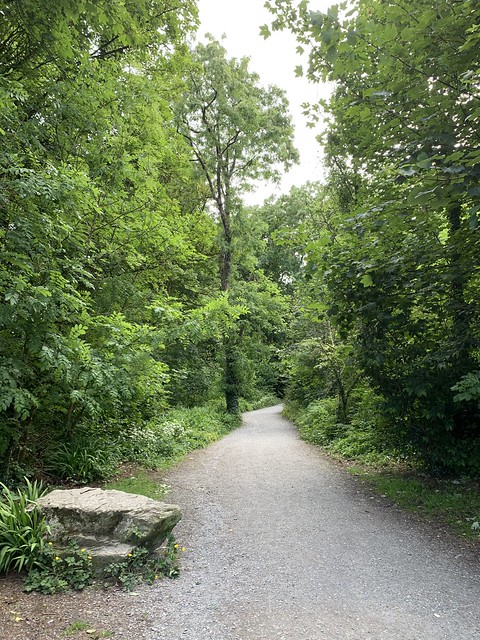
{"x": 367, "y": 280}
{"x": 265, "y": 31}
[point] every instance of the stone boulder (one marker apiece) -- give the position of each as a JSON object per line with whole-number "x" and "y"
{"x": 108, "y": 523}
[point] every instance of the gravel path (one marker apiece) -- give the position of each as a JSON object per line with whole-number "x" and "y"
{"x": 284, "y": 545}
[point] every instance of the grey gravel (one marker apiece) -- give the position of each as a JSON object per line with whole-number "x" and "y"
{"x": 284, "y": 545}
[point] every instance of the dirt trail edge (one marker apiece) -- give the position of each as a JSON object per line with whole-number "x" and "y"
{"x": 282, "y": 545}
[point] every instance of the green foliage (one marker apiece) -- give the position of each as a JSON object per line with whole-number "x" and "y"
{"x": 397, "y": 274}
{"x": 60, "y": 569}
{"x": 171, "y": 435}
{"x": 367, "y": 437}
{"x": 81, "y": 461}
{"x": 318, "y": 423}
{"x": 141, "y": 566}
{"x": 454, "y": 503}
{"x": 183, "y": 430}
{"x": 468, "y": 388}
{"x": 259, "y": 402}
{"x": 22, "y": 528}
{"x": 239, "y": 131}
{"x": 100, "y": 217}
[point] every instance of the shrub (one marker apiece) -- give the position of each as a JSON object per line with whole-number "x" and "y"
{"x": 266, "y": 400}
{"x": 173, "y": 434}
{"x": 318, "y": 422}
{"x": 22, "y": 528}
{"x": 83, "y": 460}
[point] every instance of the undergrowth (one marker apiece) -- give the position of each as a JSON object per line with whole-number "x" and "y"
{"x": 22, "y": 528}
{"x": 96, "y": 452}
{"x": 455, "y": 503}
{"x": 389, "y": 470}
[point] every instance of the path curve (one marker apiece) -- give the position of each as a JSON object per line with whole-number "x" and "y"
{"x": 283, "y": 545}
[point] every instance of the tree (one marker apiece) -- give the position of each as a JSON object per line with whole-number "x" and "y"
{"x": 238, "y": 132}
{"x": 405, "y": 117}
{"x": 95, "y": 219}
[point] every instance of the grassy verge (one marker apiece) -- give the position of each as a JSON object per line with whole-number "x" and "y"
{"x": 161, "y": 445}
{"x": 454, "y": 503}
{"x": 373, "y": 458}
{"x": 138, "y": 480}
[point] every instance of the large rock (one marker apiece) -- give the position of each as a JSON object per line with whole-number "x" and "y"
{"x": 107, "y": 523}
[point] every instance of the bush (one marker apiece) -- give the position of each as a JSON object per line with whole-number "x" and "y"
{"x": 318, "y": 422}
{"x": 362, "y": 445}
{"x": 368, "y": 438}
{"x": 266, "y": 400}
{"x": 173, "y": 434}
{"x": 22, "y": 528}
{"x": 82, "y": 460}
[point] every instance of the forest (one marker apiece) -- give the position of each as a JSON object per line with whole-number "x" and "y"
{"x": 144, "y": 305}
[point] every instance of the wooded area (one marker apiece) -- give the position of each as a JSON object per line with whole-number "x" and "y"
{"x": 142, "y": 302}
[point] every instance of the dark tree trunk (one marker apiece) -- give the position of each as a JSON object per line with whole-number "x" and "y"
{"x": 460, "y": 312}
{"x": 231, "y": 380}
{"x": 231, "y": 376}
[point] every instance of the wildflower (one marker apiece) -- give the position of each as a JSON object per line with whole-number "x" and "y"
{"x": 175, "y": 546}
{"x": 89, "y": 557}
{"x": 57, "y": 558}
{"x": 50, "y": 544}
{"x": 183, "y": 549}
{"x": 155, "y": 577}
{"x": 83, "y": 550}
{"x": 129, "y": 555}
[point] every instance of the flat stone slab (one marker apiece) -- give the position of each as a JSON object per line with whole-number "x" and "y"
{"x": 100, "y": 519}
{"x": 103, "y": 553}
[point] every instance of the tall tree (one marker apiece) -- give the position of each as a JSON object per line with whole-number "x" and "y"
{"x": 405, "y": 116}
{"x": 239, "y": 132}
{"x": 94, "y": 183}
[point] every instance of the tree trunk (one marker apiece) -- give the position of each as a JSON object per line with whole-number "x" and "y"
{"x": 460, "y": 311}
{"x": 231, "y": 381}
{"x": 231, "y": 376}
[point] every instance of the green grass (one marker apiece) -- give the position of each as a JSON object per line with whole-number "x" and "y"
{"x": 78, "y": 625}
{"x": 142, "y": 483}
{"x": 442, "y": 502}
{"x": 399, "y": 476}
{"x": 81, "y": 625}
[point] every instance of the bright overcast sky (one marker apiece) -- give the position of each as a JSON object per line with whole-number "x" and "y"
{"x": 274, "y": 60}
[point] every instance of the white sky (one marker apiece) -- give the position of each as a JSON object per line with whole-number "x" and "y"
{"x": 274, "y": 60}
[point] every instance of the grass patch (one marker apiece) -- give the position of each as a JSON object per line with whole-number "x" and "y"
{"x": 78, "y": 625}
{"x": 141, "y": 482}
{"x": 455, "y": 503}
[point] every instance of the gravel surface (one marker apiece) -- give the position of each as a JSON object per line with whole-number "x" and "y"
{"x": 282, "y": 544}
